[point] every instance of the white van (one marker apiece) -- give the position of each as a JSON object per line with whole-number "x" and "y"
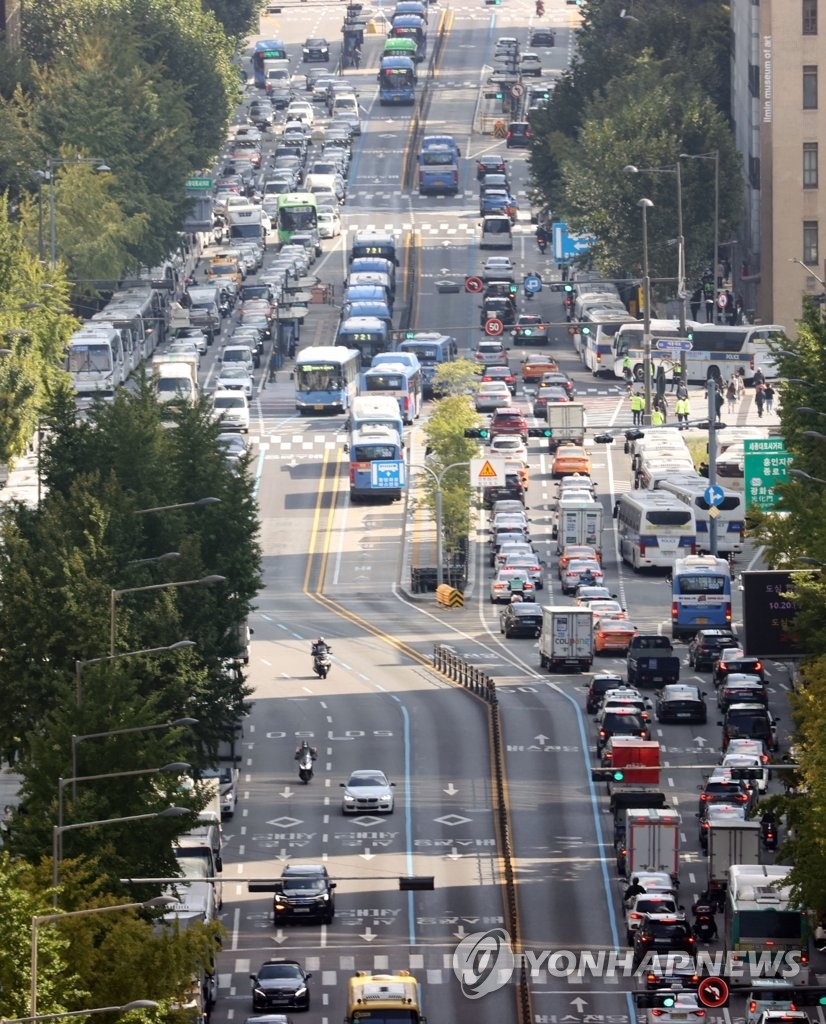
{"x": 496, "y": 232}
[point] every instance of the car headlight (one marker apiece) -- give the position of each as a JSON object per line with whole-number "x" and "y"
{"x": 301, "y": 991}
{"x": 349, "y": 798}
{"x": 259, "y": 991}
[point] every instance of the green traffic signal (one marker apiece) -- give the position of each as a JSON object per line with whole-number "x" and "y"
{"x": 527, "y": 332}
{"x": 618, "y": 776}
{"x": 569, "y": 288}
{"x": 480, "y": 432}
{"x": 669, "y": 1001}
{"x": 584, "y": 329}
{"x": 540, "y": 432}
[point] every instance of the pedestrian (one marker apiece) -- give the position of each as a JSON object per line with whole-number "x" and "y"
{"x": 291, "y": 348}
{"x": 731, "y": 395}
{"x": 760, "y": 399}
{"x": 637, "y": 409}
{"x": 739, "y": 311}
{"x": 683, "y": 411}
{"x": 719, "y": 401}
{"x": 740, "y": 381}
{"x": 274, "y": 365}
{"x": 627, "y": 370}
{"x": 695, "y": 302}
{"x": 728, "y": 311}
{"x": 768, "y": 394}
{"x": 676, "y": 378}
{"x": 682, "y": 390}
{"x": 758, "y": 377}
{"x": 708, "y": 296}
{"x": 657, "y": 416}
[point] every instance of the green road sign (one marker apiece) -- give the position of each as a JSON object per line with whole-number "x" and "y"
{"x": 765, "y": 463}
{"x": 198, "y": 184}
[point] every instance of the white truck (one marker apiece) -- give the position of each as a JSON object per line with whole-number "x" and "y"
{"x": 175, "y": 378}
{"x": 567, "y": 638}
{"x": 245, "y": 223}
{"x": 579, "y": 524}
{"x": 651, "y": 842}
{"x": 730, "y": 842}
{"x": 568, "y": 423}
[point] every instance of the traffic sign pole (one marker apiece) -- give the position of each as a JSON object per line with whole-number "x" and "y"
{"x": 712, "y": 460}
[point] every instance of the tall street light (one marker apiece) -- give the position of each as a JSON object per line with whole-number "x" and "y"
{"x": 645, "y": 205}
{"x": 200, "y": 503}
{"x": 172, "y": 585}
{"x": 174, "y": 766}
{"x": 715, "y": 156}
{"x": 179, "y": 645}
{"x": 128, "y": 731}
{"x": 39, "y": 919}
{"x": 681, "y": 286}
{"x": 136, "y": 1004}
{"x": 439, "y": 477}
{"x": 49, "y": 174}
{"x": 57, "y": 833}
{"x": 808, "y": 269}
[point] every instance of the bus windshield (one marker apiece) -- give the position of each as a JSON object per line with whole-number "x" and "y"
{"x": 91, "y": 357}
{"x": 317, "y": 377}
{"x": 297, "y": 218}
{"x": 386, "y": 1016}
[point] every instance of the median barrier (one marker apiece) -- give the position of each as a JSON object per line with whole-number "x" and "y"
{"x": 449, "y": 596}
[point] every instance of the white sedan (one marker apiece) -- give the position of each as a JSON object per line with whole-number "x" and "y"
{"x": 493, "y": 394}
{"x": 509, "y": 446}
{"x": 329, "y": 222}
{"x": 367, "y": 791}
{"x": 234, "y": 378}
{"x": 498, "y": 268}
{"x": 300, "y": 110}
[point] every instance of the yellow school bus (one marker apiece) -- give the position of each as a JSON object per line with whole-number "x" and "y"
{"x": 384, "y": 999}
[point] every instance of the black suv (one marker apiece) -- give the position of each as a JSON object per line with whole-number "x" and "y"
{"x": 519, "y": 135}
{"x": 720, "y": 788}
{"x": 750, "y": 722}
{"x": 542, "y": 37}
{"x": 663, "y": 933}
{"x": 621, "y": 722}
{"x": 599, "y": 686}
{"x": 280, "y": 984}
{"x": 707, "y": 644}
{"x": 681, "y": 702}
{"x": 521, "y": 620}
{"x": 304, "y": 891}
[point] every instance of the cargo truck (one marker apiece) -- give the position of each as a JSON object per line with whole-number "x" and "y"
{"x": 567, "y": 638}
{"x": 621, "y": 800}
{"x": 567, "y": 422}
{"x": 730, "y": 842}
{"x": 651, "y": 661}
{"x": 175, "y": 378}
{"x": 579, "y": 524}
{"x": 634, "y": 764}
{"x": 652, "y": 842}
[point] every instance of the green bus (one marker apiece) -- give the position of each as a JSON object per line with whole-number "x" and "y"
{"x": 296, "y": 211}
{"x": 399, "y": 48}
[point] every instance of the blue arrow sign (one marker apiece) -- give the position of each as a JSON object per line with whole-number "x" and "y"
{"x": 567, "y": 246}
{"x": 680, "y": 344}
{"x": 714, "y": 495}
{"x": 532, "y": 284}
{"x": 387, "y": 474}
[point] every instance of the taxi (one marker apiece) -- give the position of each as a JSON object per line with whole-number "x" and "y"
{"x": 521, "y": 469}
{"x": 576, "y": 551}
{"x": 613, "y": 635}
{"x": 581, "y": 570}
{"x": 224, "y": 266}
{"x": 534, "y": 366}
{"x": 570, "y": 459}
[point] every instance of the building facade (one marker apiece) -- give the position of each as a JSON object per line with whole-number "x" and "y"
{"x": 780, "y": 128}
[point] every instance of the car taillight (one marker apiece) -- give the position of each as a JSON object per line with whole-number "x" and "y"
{"x": 657, "y": 1013}
{"x": 674, "y": 610}
{"x": 764, "y": 758}
{"x": 758, "y": 666}
{"x": 723, "y": 667}
{"x": 705, "y": 796}
{"x": 635, "y": 917}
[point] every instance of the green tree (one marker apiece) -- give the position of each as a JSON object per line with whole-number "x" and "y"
{"x": 20, "y": 146}
{"x": 449, "y": 447}
{"x": 238, "y": 18}
{"x": 460, "y": 377}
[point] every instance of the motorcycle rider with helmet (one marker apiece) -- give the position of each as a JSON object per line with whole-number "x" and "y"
{"x": 319, "y": 648}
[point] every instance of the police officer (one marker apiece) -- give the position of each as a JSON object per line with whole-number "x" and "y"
{"x": 627, "y": 370}
{"x": 637, "y": 408}
{"x": 657, "y": 416}
{"x": 683, "y": 411}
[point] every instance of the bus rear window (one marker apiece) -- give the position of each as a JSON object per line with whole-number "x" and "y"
{"x": 700, "y": 584}
{"x": 374, "y": 452}
{"x": 385, "y": 382}
{"x": 770, "y": 924}
{"x": 666, "y": 517}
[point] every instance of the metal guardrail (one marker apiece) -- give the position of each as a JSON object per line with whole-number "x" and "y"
{"x": 450, "y": 664}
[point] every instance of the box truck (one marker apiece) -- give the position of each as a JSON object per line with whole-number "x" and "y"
{"x": 730, "y": 842}
{"x": 567, "y": 638}
{"x": 579, "y": 524}
{"x": 567, "y": 422}
{"x": 652, "y": 842}
{"x": 635, "y": 760}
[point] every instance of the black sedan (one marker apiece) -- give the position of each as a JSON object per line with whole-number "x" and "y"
{"x": 734, "y": 660}
{"x": 280, "y": 983}
{"x": 707, "y": 644}
{"x": 315, "y": 50}
{"x": 520, "y": 620}
{"x": 681, "y": 702}
{"x": 490, "y": 165}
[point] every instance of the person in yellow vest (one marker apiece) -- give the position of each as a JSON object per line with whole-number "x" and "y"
{"x": 657, "y": 417}
{"x": 637, "y": 408}
{"x": 683, "y": 411}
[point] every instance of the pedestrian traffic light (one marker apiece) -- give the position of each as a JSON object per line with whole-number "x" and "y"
{"x": 513, "y": 288}
{"x": 480, "y": 432}
{"x": 540, "y": 432}
{"x": 568, "y": 288}
{"x": 584, "y": 329}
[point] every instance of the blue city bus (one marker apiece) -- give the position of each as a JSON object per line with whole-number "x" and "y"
{"x": 326, "y": 379}
{"x": 432, "y": 349}
{"x": 410, "y": 26}
{"x": 402, "y": 380}
{"x": 368, "y": 334}
{"x": 374, "y": 443}
{"x": 266, "y": 49}
{"x": 700, "y": 595}
{"x": 397, "y": 81}
{"x": 374, "y": 243}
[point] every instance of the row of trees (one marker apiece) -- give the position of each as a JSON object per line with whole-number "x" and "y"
{"x": 648, "y": 84}
{"x": 146, "y": 87}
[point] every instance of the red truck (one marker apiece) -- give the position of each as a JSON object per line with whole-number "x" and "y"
{"x": 637, "y": 759}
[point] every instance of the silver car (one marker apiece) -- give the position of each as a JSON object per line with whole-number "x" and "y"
{"x": 234, "y": 378}
{"x": 367, "y": 790}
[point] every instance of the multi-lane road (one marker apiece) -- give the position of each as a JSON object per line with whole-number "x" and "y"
{"x": 333, "y": 569}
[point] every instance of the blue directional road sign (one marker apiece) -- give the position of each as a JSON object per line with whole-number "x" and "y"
{"x": 679, "y": 344}
{"x": 568, "y": 246}
{"x": 388, "y": 473}
{"x": 714, "y": 495}
{"x": 532, "y": 284}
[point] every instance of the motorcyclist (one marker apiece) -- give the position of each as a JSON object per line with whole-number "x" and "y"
{"x": 705, "y": 924}
{"x": 303, "y": 748}
{"x": 634, "y": 889}
{"x": 320, "y": 648}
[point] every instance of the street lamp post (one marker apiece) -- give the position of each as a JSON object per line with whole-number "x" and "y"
{"x": 57, "y": 833}
{"x": 179, "y": 645}
{"x": 172, "y": 585}
{"x": 200, "y": 503}
{"x": 645, "y": 205}
{"x": 52, "y": 163}
{"x": 129, "y": 731}
{"x": 174, "y": 766}
{"x": 136, "y": 1004}
{"x": 715, "y": 156}
{"x": 438, "y": 478}
{"x": 39, "y": 919}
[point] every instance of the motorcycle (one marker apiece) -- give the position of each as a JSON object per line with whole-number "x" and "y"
{"x": 322, "y": 664}
{"x": 305, "y": 767}
{"x": 704, "y": 928}
{"x": 768, "y": 835}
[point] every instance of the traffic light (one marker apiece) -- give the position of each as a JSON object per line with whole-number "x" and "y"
{"x": 540, "y": 432}
{"x": 494, "y": 95}
{"x": 480, "y": 432}
{"x": 584, "y": 329}
{"x": 527, "y": 332}
{"x": 568, "y": 288}
{"x": 513, "y": 289}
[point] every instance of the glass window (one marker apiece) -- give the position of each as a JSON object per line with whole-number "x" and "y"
{"x": 809, "y": 17}
{"x": 810, "y": 86}
{"x": 810, "y": 247}
{"x": 810, "y": 165}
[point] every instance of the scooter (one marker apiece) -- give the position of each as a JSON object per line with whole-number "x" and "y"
{"x": 768, "y": 835}
{"x": 305, "y": 767}
{"x": 704, "y": 928}
{"x": 322, "y": 664}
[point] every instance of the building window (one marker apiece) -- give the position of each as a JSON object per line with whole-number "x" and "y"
{"x": 809, "y": 17}
{"x": 754, "y": 80}
{"x": 810, "y": 86}
{"x": 810, "y": 247}
{"x": 809, "y": 165}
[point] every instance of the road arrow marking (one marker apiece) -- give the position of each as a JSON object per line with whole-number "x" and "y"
{"x": 454, "y": 854}
{"x": 579, "y": 1003}
{"x": 367, "y": 855}
{"x": 460, "y": 932}
{"x": 286, "y": 793}
{"x": 700, "y": 741}
{"x": 368, "y": 935}
{"x": 451, "y": 790}
{"x": 542, "y": 738}
{"x": 283, "y": 855}
{"x": 280, "y": 936}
